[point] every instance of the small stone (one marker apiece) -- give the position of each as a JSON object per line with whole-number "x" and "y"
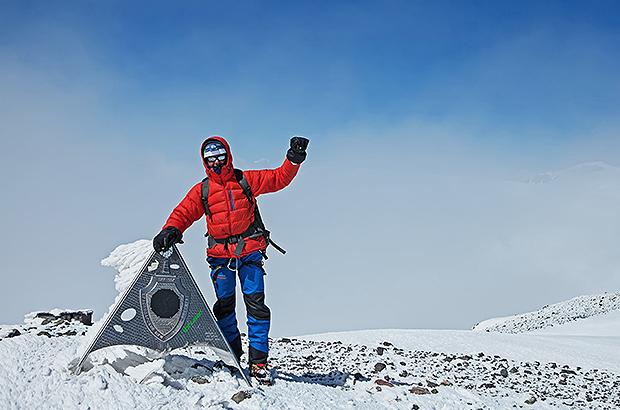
{"x": 419, "y": 390}
{"x": 380, "y": 351}
{"x": 379, "y": 367}
{"x": 240, "y": 396}
{"x": 503, "y": 372}
{"x": 446, "y": 383}
{"x": 13, "y": 333}
{"x": 415, "y": 407}
{"x": 199, "y": 380}
{"x": 531, "y": 400}
{"x": 358, "y": 376}
{"x": 431, "y": 384}
{"x": 382, "y": 382}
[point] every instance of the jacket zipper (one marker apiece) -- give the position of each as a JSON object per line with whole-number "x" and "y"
{"x": 232, "y": 203}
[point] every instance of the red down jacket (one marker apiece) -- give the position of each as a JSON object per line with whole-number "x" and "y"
{"x": 231, "y": 211}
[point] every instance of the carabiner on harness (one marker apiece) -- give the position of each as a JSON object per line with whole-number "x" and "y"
{"x": 236, "y": 268}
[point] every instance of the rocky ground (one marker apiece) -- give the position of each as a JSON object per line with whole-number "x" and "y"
{"x": 376, "y": 368}
{"x": 51, "y": 324}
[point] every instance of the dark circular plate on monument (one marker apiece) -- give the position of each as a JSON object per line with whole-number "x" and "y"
{"x": 165, "y": 303}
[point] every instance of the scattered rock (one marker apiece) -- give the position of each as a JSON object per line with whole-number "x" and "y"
{"x": 380, "y": 351}
{"x": 199, "y": 380}
{"x": 531, "y": 401}
{"x": 13, "y": 333}
{"x": 240, "y": 396}
{"x": 382, "y": 382}
{"x": 422, "y": 372}
{"x": 83, "y": 316}
{"x": 359, "y": 376}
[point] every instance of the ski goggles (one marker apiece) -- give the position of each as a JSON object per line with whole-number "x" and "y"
{"x": 216, "y": 158}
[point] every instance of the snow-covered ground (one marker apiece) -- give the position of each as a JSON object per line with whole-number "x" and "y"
{"x": 563, "y": 364}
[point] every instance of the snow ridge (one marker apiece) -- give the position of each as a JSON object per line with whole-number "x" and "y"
{"x": 581, "y": 307}
{"x": 573, "y": 172}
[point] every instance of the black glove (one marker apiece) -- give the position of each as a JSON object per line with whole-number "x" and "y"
{"x": 297, "y": 152}
{"x": 166, "y": 238}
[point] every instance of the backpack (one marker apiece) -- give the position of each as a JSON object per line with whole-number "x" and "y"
{"x": 256, "y": 228}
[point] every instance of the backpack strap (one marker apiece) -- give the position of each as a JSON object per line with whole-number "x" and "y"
{"x": 243, "y": 182}
{"x": 205, "y": 196}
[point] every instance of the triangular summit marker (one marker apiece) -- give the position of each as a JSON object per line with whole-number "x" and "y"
{"x": 163, "y": 309}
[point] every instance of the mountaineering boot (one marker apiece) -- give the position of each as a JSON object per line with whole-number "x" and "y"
{"x": 261, "y": 373}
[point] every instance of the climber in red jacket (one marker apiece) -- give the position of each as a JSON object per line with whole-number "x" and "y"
{"x": 236, "y": 241}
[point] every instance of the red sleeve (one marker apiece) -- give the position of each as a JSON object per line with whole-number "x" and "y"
{"x": 271, "y": 180}
{"x": 188, "y": 211}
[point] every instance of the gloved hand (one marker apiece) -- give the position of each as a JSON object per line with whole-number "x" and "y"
{"x": 297, "y": 152}
{"x": 166, "y": 238}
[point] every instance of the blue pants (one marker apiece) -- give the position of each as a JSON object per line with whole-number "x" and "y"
{"x": 223, "y": 275}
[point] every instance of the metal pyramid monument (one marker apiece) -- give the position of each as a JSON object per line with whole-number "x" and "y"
{"x": 163, "y": 309}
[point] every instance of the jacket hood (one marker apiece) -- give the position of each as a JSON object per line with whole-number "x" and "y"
{"x": 228, "y": 165}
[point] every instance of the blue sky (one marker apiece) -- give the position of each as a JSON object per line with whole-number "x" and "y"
{"x": 105, "y": 105}
{"x": 250, "y": 68}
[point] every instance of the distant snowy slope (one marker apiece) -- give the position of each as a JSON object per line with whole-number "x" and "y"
{"x": 607, "y": 325}
{"x": 579, "y": 171}
{"x": 559, "y": 314}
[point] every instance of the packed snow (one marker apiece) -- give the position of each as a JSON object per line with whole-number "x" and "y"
{"x": 563, "y": 356}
